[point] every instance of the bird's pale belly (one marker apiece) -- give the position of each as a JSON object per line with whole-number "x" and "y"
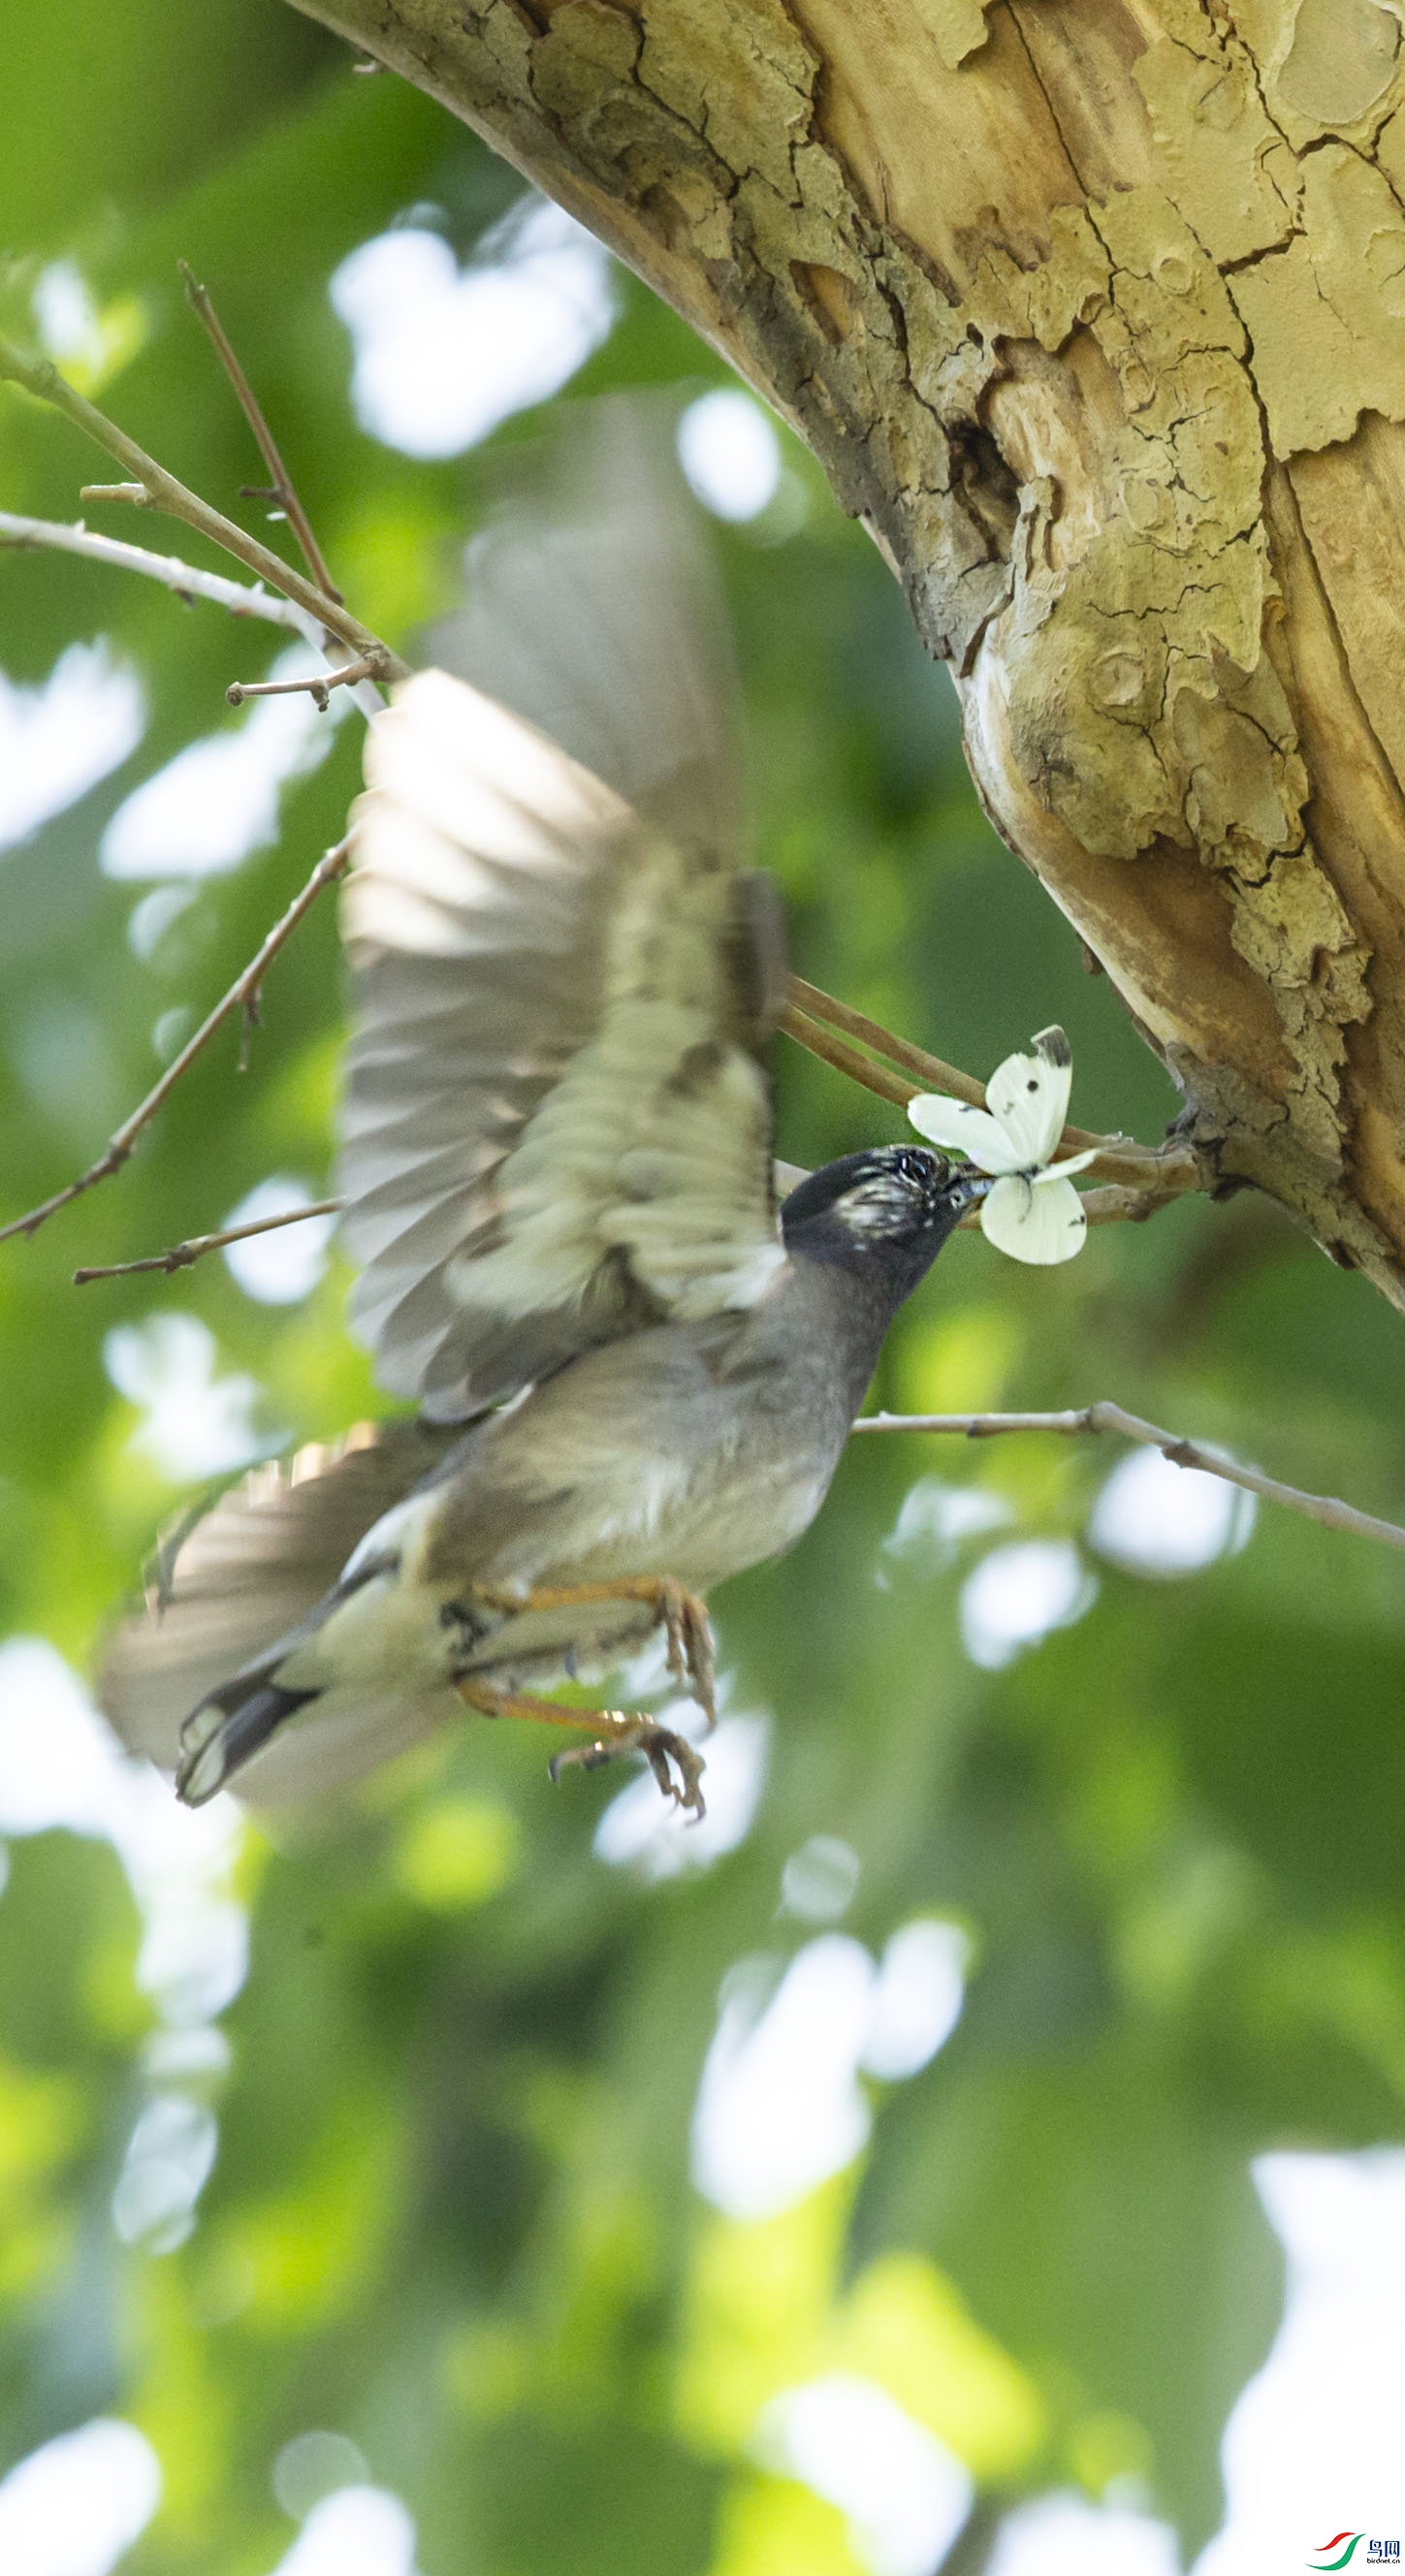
{"x": 692, "y": 1519}
{"x": 665, "y": 1520}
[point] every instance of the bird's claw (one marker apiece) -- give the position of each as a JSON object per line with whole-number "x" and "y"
{"x": 691, "y": 1657}
{"x": 681, "y": 1614}
{"x": 691, "y": 1660}
{"x": 660, "y": 1746}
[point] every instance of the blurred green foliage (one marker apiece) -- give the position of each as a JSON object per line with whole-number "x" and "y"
{"x": 450, "y": 2216}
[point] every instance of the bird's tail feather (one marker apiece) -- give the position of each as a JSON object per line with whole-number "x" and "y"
{"x": 308, "y": 1751}
{"x": 226, "y": 1731}
{"x": 231, "y": 1585}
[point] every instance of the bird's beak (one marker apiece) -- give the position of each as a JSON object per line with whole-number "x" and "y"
{"x": 971, "y": 1188}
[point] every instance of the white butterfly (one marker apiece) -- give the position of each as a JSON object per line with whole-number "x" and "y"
{"x": 1032, "y": 1211}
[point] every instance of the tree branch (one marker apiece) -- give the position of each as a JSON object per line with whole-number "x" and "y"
{"x": 188, "y": 584}
{"x": 316, "y": 685}
{"x": 242, "y": 996}
{"x": 182, "y": 578}
{"x": 1145, "y": 1177}
{"x": 928, "y": 1071}
{"x": 283, "y": 491}
{"x": 181, "y": 1255}
{"x": 1105, "y": 1417}
{"x": 1233, "y": 989}
{"x": 161, "y": 491}
{"x": 808, "y": 1033}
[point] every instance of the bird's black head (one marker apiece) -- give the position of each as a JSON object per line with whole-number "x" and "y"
{"x": 887, "y": 1212}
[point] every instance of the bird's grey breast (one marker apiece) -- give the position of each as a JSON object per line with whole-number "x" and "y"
{"x": 689, "y": 1450}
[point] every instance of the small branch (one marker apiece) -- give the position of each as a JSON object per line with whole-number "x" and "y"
{"x": 928, "y": 1071}
{"x": 180, "y": 577}
{"x": 161, "y": 491}
{"x": 283, "y": 491}
{"x": 1115, "y": 1205}
{"x": 241, "y": 995}
{"x": 181, "y": 1255}
{"x": 316, "y": 685}
{"x": 1105, "y": 1417}
{"x": 1148, "y": 1177}
{"x": 188, "y": 584}
{"x": 1119, "y": 1205}
{"x": 819, "y": 1041}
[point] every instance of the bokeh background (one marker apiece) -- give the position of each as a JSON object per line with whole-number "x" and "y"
{"x": 974, "y": 2145}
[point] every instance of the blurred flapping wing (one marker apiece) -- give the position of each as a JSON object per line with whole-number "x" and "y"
{"x": 592, "y": 608}
{"x": 557, "y": 1123}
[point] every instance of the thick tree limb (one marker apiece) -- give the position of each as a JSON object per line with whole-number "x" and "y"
{"x": 1116, "y": 380}
{"x": 1105, "y": 1417}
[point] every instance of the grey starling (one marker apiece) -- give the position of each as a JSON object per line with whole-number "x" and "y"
{"x": 635, "y": 1372}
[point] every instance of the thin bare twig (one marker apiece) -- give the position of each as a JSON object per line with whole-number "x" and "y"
{"x": 241, "y": 992}
{"x": 180, "y": 577}
{"x": 1105, "y": 1417}
{"x": 181, "y": 1255}
{"x": 830, "y": 1049}
{"x": 931, "y": 1073}
{"x": 1115, "y": 1205}
{"x": 283, "y": 491}
{"x": 928, "y": 1071}
{"x": 189, "y": 584}
{"x": 316, "y": 685}
{"x": 162, "y": 491}
{"x": 1147, "y": 1177}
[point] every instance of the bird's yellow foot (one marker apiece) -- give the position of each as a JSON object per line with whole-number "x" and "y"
{"x": 681, "y": 1614}
{"x": 615, "y": 1731}
{"x": 660, "y": 1747}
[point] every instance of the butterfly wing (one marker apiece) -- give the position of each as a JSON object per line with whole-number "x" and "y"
{"x": 964, "y": 1130}
{"x": 1028, "y": 1094}
{"x": 1041, "y": 1222}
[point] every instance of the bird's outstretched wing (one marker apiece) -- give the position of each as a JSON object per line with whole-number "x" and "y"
{"x": 592, "y": 608}
{"x": 557, "y": 1119}
{"x": 557, "y": 1122}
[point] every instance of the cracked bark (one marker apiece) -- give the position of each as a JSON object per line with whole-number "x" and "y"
{"x": 1095, "y": 315}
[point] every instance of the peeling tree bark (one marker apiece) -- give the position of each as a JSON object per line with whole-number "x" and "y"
{"x": 1094, "y": 312}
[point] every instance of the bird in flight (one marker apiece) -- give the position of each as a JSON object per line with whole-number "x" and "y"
{"x": 635, "y": 1361}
